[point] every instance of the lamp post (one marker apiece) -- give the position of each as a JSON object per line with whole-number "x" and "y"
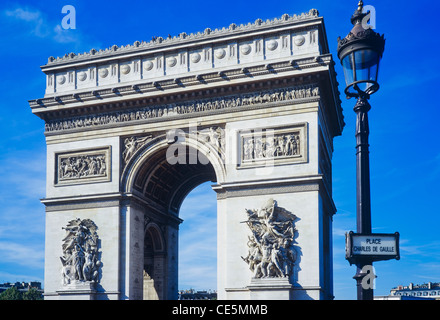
{"x": 360, "y": 52}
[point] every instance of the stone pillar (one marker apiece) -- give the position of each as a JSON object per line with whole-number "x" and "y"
{"x": 170, "y": 262}
{"x": 132, "y": 252}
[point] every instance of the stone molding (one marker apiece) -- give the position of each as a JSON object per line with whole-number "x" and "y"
{"x": 187, "y": 80}
{"x": 267, "y": 187}
{"x": 82, "y": 202}
{"x": 270, "y": 284}
{"x": 267, "y": 190}
{"x": 88, "y": 287}
{"x": 81, "y": 205}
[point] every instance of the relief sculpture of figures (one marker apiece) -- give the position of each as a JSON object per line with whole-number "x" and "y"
{"x": 133, "y": 144}
{"x": 271, "y": 253}
{"x": 203, "y": 105}
{"x": 280, "y": 145}
{"x": 80, "y": 252}
{"x": 214, "y": 136}
{"x": 82, "y": 166}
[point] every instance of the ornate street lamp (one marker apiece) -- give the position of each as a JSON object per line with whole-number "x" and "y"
{"x": 360, "y": 52}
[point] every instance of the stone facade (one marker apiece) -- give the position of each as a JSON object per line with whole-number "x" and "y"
{"x": 131, "y": 130}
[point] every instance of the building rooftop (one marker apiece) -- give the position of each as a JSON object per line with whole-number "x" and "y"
{"x": 425, "y": 290}
{"x": 160, "y": 42}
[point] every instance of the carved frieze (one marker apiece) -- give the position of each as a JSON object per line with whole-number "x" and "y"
{"x": 82, "y": 166}
{"x": 272, "y": 145}
{"x": 80, "y": 260}
{"x": 271, "y": 253}
{"x": 206, "y": 105}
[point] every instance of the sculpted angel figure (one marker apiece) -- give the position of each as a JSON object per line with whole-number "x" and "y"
{"x": 213, "y": 135}
{"x": 271, "y": 253}
{"x": 132, "y": 144}
{"x": 80, "y": 252}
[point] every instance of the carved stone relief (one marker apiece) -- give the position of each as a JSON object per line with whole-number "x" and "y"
{"x": 83, "y": 166}
{"x": 205, "y": 105}
{"x": 81, "y": 262}
{"x": 133, "y": 144}
{"x": 271, "y": 253}
{"x": 215, "y": 136}
{"x": 280, "y": 145}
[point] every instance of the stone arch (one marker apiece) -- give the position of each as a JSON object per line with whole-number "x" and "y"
{"x": 130, "y": 127}
{"x": 159, "y": 187}
{"x": 155, "y": 152}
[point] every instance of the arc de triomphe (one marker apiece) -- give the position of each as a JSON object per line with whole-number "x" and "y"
{"x": 131, "y": 130}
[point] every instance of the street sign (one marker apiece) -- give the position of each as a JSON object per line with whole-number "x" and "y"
{"x": 371, "y": 247}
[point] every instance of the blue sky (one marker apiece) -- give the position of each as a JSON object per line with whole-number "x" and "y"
{"x": 404, "y": 138}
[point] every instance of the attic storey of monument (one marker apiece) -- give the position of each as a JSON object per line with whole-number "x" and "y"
{"x": 131, "y": 130}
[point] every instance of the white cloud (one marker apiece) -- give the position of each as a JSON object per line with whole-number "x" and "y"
{"x": 23, "y": 176}
{"x": 24, "y": 14}
{"x": 428, "y": 249}
{"x": 34, "y": 18}
{"x": 22, "y": 219}
{"x": 65, "y": 36}
{"x": 22, "y": 254}
{"x": 34, "y": 22}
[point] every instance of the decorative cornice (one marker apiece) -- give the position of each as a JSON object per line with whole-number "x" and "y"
{"x": 207, "y": 34}
{"x": 149, "y": 88}
{"x": 191, "y": 59}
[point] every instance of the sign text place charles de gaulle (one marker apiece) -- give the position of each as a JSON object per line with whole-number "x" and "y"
{"x": 371, "y": 247}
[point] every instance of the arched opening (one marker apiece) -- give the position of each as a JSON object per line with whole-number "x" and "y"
{"x": 165, "y": 182}
{"x": 198, "y": 240}
{"x": 161, "y": 186}
{"x": 154, "y": 260}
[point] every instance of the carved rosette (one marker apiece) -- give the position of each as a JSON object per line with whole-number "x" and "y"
{"x": 271, "y": 253}
{"x": 80, "y": 260}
